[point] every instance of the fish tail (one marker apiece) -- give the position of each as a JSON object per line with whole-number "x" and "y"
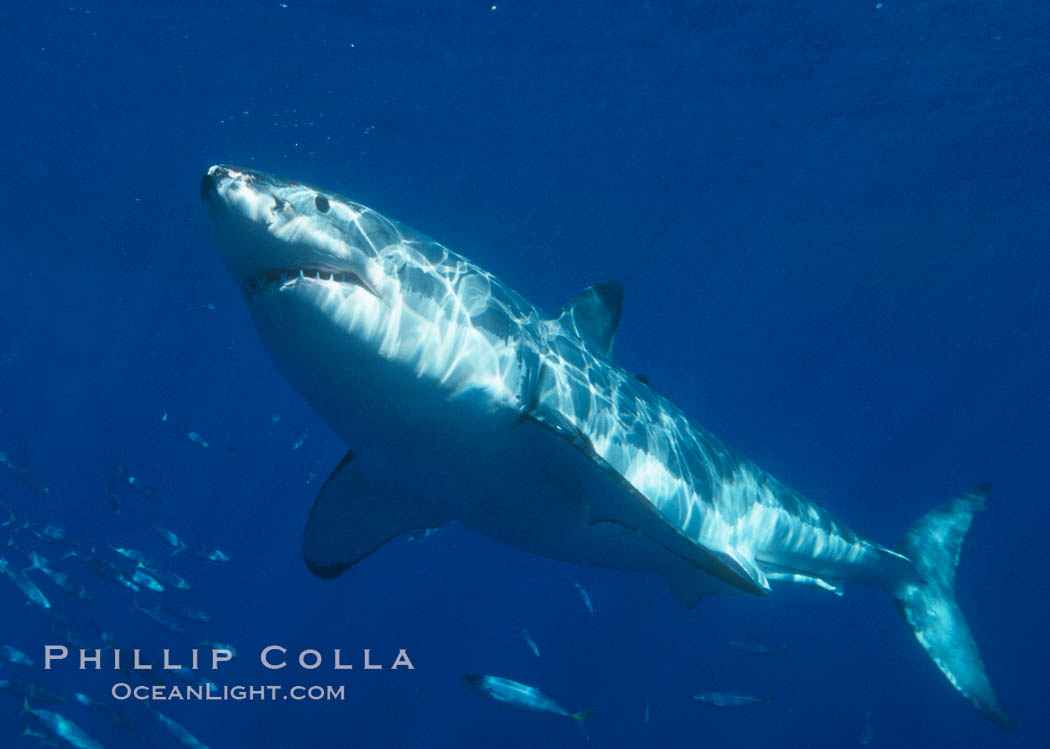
{"x": 579, "y": 717}
{"x": 584, "y": 714}
{"x": 929, "y": 607}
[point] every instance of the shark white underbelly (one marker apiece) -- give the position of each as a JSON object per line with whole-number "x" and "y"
{"x": 525, "y": 430}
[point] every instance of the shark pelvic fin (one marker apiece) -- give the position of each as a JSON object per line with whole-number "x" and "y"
{"x": 727, "y": 570}
{"x": 745, "y": 568}
{"x": 594, "y": 313}
{"x": 354, "y": 515}
{"x": 929, "y": 606}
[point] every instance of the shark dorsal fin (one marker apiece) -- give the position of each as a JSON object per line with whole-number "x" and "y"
{"x": 594, "y": 313}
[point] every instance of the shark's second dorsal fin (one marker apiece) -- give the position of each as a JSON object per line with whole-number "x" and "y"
{"x": 594, "y": 313}
{"x": 354, "y": 514}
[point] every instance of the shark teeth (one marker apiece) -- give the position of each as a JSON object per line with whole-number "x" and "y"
{"x": 290, "y": 277}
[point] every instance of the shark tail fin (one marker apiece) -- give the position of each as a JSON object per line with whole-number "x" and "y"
{"x": 928, "y": 605}
{"x": 582, "y": 716}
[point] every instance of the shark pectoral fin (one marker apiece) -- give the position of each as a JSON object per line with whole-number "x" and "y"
{"x": 354, "y": 515}
{"x": 594, "y": 313}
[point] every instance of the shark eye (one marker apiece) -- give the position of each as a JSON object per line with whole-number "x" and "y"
{"x": 322, "y": 204}
{"x": 278, "y": 204}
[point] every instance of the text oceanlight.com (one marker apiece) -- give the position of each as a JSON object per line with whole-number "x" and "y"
{"x": 235, "y": 693}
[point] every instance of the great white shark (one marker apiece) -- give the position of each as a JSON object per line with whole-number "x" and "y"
{"x": 434, "y": 368}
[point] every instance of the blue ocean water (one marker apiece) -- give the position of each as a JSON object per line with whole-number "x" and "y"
{"x": 831, "y": 222}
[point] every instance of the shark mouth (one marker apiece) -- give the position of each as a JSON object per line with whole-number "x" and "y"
{"x": 281, "y": 278}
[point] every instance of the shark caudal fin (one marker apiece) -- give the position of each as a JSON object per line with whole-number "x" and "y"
{"x": 929, "y": 606}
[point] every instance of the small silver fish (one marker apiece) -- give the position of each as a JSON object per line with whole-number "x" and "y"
{"x": 59, "y": 578}
{"x": 25, "y": 556}
{"x": 314, "y": 468}
{"x": 583, "y": 594}
{"x": 114, "y": 714}
{"x": 184, "y": 737}
{"x": 50, "y": 533}
{"x": 185, "y": 612}
{"x": 70, "y": 637}
{"x": 159, "y": 617}
{"x": 724, "y": 699}
{"x": 24, "y": 476}
{"x": 210, "y": 555}
{"x": 170, "y": 579}
{"x": 171, "y": 538}
{"x": 114, "y": 495}
{"x": 144, "y": 490}
{"x": 422, "y": 535}
{"x": 27, "y": 690}
{"x": 520, "y": 696}
{"x": 41, "y": 739}
{"x": 186, "y": 434}
{"x": 27, "y": 586}
{"x": 15, "y": 656}
{"x": 106, "y": 570}
{"x": 867, "y": 733}
{"x": 301, "y": 441}
{"x": 530, "y": 642}
{"x": 62, "y": 727}
{"x": 130, "y": 554}
{"x": 142, "y": 578}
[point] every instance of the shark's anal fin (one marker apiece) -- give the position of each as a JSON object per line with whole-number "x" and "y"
{"x": 811, "y": 580}
{"x": 594, "y": 313}
{"x": 354, "y": 514}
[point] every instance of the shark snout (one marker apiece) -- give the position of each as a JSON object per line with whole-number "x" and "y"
{"x": 208, "y": 185}
{"x": 215, "y": 178}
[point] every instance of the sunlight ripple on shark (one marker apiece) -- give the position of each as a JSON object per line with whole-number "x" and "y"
{"x": 433, "y": 367}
